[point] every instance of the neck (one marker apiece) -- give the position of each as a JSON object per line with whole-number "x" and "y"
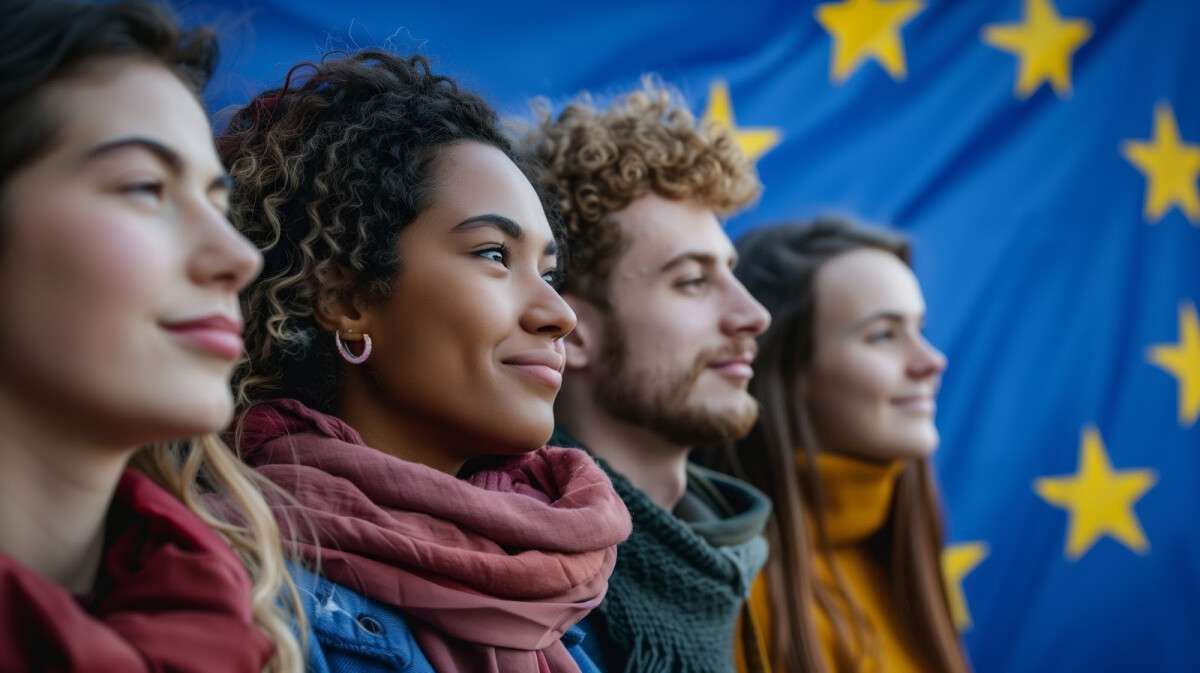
{"x": 57, "y": 489}
{"x": 653, "y": 464}
{"x": 406, "y": 436}
{"x": 857, "y": 494}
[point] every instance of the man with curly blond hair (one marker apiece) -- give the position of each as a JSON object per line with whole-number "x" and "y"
{"x": 658, "y": 365}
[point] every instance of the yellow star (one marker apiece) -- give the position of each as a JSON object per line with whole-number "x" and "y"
{"x": 1099, "y": 499}
{"x": 1170, "y": 166}
{"x": 864, "y": 29}
{"x": 1182, "y": 360}
{"x": 1044, "y": 42}
{"x": 754, "y": 142}
{"x": 957, "y": 562}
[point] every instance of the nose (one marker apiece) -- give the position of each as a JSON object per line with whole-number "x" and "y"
{"x": 221, "y": 256}
{"x": 546, "y": 313}
{"x": 926, "y": 359}
{"x": 744, "y": 315}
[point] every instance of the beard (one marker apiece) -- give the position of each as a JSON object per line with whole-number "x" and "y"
{"x": 659, "y": 399}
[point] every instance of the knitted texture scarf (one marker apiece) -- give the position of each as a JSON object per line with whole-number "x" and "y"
{"x": 492, "y": 568}
{"x": 674, "y": 598}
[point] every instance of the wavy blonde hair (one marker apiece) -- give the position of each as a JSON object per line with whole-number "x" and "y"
{"x": 60, "y": 40}
{"x": 594, "y": 162}
{"x": 251, "y": 531}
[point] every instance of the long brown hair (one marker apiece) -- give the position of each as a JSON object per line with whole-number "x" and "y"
{"x": 779, "y": 266}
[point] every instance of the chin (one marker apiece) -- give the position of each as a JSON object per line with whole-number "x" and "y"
{"x": 736, "y": 415}
{"x": 520, "y": 432}
{"x": 197, "y": 415}
{"x": 922, "y": 445}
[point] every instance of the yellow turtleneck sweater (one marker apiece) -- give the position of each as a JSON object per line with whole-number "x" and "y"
{"x": 858, "y": 499}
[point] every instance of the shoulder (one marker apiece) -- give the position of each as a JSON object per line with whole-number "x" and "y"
{"x": 350, "y": 632}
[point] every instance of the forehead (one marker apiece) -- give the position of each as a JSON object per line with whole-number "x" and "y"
{"x": 860, "y": 283}
{"x": 474, "y": 178}
{"x": 123, "y": 97}
{"x": 658, "y": 229}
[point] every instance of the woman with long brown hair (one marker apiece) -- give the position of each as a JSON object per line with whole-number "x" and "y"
{"x": 119, "y": 329}
{"x": 846, "y": 384}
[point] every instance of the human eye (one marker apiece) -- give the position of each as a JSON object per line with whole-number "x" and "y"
{"x": 553, "y": 278}
{"x": 495, "y": 253}
{"x": 220, "y": 201}
{"x": 882, "y": 334}
{"x": 692, "y": 283}
{"x": 146, "y": 191}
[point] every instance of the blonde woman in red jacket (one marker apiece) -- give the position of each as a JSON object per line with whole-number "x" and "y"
{"x": 119, "y": 328}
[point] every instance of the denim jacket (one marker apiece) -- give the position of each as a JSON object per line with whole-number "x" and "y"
{"x": 350, "y": 633}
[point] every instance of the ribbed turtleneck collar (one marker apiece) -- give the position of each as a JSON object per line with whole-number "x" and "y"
{"x": 856, "y": 494}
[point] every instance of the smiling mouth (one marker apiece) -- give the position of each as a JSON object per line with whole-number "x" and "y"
{"x": 920, "y": 405}
{"x": 543, "y": 367}
{"x": 543, "y": 374}
{"x": 214, "y": 335}
{"x": 734, "y": 369}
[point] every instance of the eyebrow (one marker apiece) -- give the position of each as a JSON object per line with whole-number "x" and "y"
{"x": 169, "y": 157}
{"x": 890, "y": 316}
{"x": 702, "y": 258}
{"x": 504, "y": 225}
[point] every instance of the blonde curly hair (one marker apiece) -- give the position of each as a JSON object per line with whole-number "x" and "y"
{"x": 594, "y": 162}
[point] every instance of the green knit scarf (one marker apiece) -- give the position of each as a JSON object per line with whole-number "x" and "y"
{"x": 674, "y": 597}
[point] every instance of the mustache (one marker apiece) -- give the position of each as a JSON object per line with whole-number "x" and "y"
{"x": 740, "y": 347}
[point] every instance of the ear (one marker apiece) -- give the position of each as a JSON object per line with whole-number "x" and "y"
{"x": 585, "y": 343}
{"x": 342, "y": 310}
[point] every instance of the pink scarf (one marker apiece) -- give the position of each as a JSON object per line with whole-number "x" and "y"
{"x": 493, "y": 569}
{"x": 171, "y": 596}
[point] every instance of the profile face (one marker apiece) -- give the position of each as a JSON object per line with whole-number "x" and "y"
{"x": 679, "y": 345}
{"x": 119, "y": 270}
{"x": 468, "y": 345}
{"x": 873, "y": 383}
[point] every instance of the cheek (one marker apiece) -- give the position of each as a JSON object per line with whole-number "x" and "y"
{"x": 83, "y": 290}
{"x": 853, "y": 389}
{"x": 444, "y": 327}
{"x": 667, "y": 335}
{"x": 444, "y": 333}
{"x": 89, "y": 280}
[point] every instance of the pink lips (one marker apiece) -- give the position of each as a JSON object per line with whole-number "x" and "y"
{"x": 215, "y": 334}
{"x": 543, "y": 366}
{"x": 735, "y": 368}
{"x": 920, "y": 405}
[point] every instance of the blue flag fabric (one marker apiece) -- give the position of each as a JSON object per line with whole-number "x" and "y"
{"x": 1044, "y": 155}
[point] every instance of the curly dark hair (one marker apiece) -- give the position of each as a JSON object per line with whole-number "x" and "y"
{"x": 50, "y": 40}
{"x": 329, "y": 168}
{"x": 595, "y": 162}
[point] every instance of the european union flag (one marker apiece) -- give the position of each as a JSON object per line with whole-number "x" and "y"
{"x": 1044, "y": 155}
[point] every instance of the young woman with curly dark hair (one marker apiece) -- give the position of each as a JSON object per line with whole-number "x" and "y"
{"x": 119, "y": 329}
{"x": 405, "y": 349}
